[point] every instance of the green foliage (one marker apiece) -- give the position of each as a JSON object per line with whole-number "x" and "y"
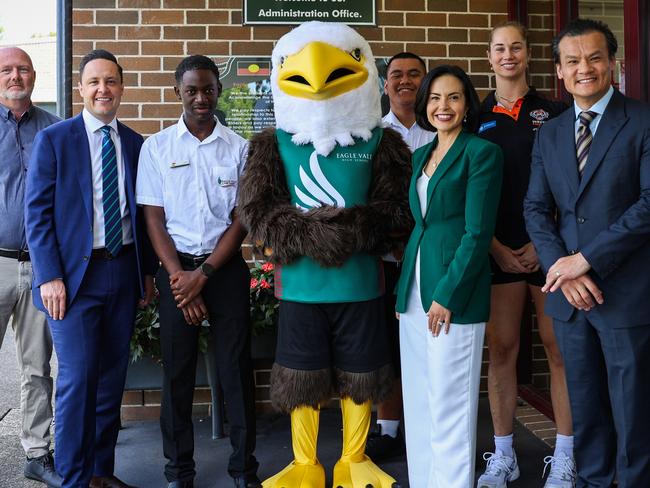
{"x": 264, "y": 305}
{"x": 237, "y": 103}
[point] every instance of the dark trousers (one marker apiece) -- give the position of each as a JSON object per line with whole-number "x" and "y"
{"x": 226, "y": 296}
{"x": 608, "y": 376}
{"x": 92, "y": 347}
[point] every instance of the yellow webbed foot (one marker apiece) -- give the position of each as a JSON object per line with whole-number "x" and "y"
{"x": 298, "y": 476}
{"x": 361, "y": 474}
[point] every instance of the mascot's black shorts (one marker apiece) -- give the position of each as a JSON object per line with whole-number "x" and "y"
{"x": 349, "y": 336}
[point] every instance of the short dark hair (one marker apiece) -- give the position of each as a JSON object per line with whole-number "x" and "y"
{"x": 578, "y": 27}
{"x": 470, "y": 123}
{"x": 406, "y": 55}
{"x": 194, "y": 62}
{"x": 99, "y": 54}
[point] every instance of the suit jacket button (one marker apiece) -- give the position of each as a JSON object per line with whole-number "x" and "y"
{"x": 581, "y": 220}
{"x": 85, "y": 258}
{"x": 573, "y": 251}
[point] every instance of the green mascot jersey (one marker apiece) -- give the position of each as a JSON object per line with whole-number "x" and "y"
{"x": 341, "y": 179}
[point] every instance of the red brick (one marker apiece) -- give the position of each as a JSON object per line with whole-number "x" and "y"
{"x": 152, "y": 397}
{"x": 163, "y": 17}
{"x": 417, "y": 5}
{"x": 201, "y": 394}
{"x": 496, "y": 19}
{"x": 447, "y": 6}
{"x": 140, "y": 413}
{"x": 171, "y": 62}
{"x": 225, "y": 4}
{"x": 269, "y": 32}
{"x": 480, "y": 81}
{"x": 81, "y": 48}
{"x": 94, "y": 4}
{"x": 204, "y": 17}
{"x": 467, "y": 50}
{"x": 184, "y": 32}
{"x": 252, "y": 48}
{"x": 540, "y": 7}
{"x": 160, "y": 111}
{"x": 426, "y": 19}
{"x": 542, "y": 66}
{"x": 157, "y": 79}
{"x": 116, "y": 16}
{"x": 229, "y": 32}
{"x": 169, "y": 95}
{"x": 129, "y": 111}
{"x": 468, "y": 20}
{"x": 427, "y": 49}
{"x": 134, "y": 94}
{"x": 391, "y": 18}
{"x": 183, "y": 3}
{"x": 134, "y": 397}
{"x": 93, "y": 32}
{"x": 168, "y": 122}
{"x": 118, "y": 47}
{"x": 438, "y": 60}
{"x": 140, "y": 63}
{"x": 386, "y": 49}
{"x": 488, "y": 6}
{"x": 370, "y": 33}
{"x": 162, "y": 47}
{"x": 208, "y": 48}
{"x": 138, "y": 32}
{"x": 130, "y": 79}
{"x": 144, "y": 127}
{"x": 83, "y": 17}
{"x": 480, "y": 66}
{"x": 236, "y": 17}
{"x": 138, "y": 3}
{"x": 457, "y": 35}
{"x": 479, "y": 35}
{"x": 405, "y": 34}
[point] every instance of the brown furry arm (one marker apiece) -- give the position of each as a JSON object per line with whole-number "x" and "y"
{"x": 386, "y": 221}
{"x": 265, "y": 209}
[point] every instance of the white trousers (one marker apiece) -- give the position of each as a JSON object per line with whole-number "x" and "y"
{"x": 440, "y": 383}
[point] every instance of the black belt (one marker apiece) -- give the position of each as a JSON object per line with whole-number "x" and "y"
{"x": 191, "y": 259}
{"x": 20, "y": 254}
{"x": 106, "y": 255}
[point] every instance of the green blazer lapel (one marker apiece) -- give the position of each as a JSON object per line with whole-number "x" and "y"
{"x": 418, "y": 165}
{"x": 452, "y": 155}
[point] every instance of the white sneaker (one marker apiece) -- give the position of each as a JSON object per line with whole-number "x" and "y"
{"x": 499, "y": 470}
{"x": 563, "y": 471}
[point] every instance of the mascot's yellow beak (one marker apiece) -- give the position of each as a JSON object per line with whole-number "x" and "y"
{"x": 320, "y": 71}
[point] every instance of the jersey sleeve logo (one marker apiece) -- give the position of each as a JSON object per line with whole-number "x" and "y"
{"x": 318, "y": 190}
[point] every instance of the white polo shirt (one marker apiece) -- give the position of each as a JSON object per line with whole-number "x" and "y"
{"x": 194, "y": 181}
{"x": 415, "y": 136}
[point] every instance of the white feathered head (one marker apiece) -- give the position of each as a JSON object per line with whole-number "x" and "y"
{"x": 325, "y": 86}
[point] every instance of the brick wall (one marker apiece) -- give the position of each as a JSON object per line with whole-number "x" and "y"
{"x": 150, "y": 37}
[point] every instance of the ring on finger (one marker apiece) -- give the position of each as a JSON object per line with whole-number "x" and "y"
{"x": 557, "y": 274}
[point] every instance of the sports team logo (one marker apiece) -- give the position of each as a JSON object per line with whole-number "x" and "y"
{"x": 539, "y": 116}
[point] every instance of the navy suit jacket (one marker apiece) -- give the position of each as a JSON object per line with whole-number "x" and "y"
{"x": 605, "y": 215}
{"x": 59, "y": 205}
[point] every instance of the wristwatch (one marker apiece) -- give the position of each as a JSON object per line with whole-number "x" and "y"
{"x": 206, "y": 269}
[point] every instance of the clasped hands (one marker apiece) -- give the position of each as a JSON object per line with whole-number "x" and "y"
{"x": 522, "y": 260}
{"x": 186, "y": 287}
{"x": 569, "y": 274}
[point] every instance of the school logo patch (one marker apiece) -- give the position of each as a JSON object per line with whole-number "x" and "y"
{"x": 540, "y": 114}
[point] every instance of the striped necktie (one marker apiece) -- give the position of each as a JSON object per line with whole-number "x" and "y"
{"x": 583, "y": 139}
{"x": 110, "y": 195}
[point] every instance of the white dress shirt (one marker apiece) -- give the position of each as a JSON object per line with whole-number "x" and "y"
{"x": 95, "y": 135}
{"x": 415, "y": 136}
{"x": 194, "y": 181}
{"x": 598, "y": 107}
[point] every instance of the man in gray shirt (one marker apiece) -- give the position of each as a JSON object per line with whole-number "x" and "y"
{"x": 19, "y": 123}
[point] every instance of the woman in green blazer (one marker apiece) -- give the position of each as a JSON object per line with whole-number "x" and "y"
{"x": 443, "y": 294}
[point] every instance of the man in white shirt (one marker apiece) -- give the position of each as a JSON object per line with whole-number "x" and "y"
{"x": 187, "y": 180}
{"x": 403, "y": 76}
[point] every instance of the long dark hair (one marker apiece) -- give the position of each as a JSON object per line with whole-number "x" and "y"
{"x": 470, "y": 123}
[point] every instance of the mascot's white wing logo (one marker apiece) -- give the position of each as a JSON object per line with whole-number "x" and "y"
{"x": 319, "y": 192}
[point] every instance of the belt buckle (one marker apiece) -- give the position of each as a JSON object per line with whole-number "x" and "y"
{"x": 23, "y": 255}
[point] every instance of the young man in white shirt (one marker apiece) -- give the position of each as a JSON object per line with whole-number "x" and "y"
{"x": 403, "y": 76}
{"x": 187, "y": 181}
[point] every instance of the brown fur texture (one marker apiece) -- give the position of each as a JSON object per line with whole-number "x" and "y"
{"x": 361, "y": 387}
{"x": 292, "y": 388}
{"x": 327, "y": 234}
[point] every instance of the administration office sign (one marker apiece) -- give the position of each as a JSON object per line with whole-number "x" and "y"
{"x": 353, "y": 12}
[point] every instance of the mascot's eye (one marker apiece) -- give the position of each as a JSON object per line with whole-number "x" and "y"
{"x": 356, "y": 54}
{"x": 282, "y": 60}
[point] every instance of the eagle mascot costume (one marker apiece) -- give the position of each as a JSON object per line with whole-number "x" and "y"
{"x": 326, "y": 191}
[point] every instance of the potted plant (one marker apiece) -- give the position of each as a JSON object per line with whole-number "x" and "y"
{"x": 264, "y": 308}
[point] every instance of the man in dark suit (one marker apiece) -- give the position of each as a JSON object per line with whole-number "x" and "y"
{"x": 588, "y": 214}
{"x": 84, "y": 238}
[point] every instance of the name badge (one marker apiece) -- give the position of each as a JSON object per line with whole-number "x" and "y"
{"x": 178, "y": 164}
{"x": 225, "y": 183}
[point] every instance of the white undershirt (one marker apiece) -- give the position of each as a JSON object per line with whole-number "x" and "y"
{"x": 421, "y": 186}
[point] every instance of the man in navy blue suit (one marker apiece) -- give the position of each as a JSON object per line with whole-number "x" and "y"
{"x": 88, "y": 253}
{"x": 588, "y": 214}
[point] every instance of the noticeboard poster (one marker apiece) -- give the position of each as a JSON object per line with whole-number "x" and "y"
{"x": 269, "y": 12}
{"x": 246, "y": 103}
